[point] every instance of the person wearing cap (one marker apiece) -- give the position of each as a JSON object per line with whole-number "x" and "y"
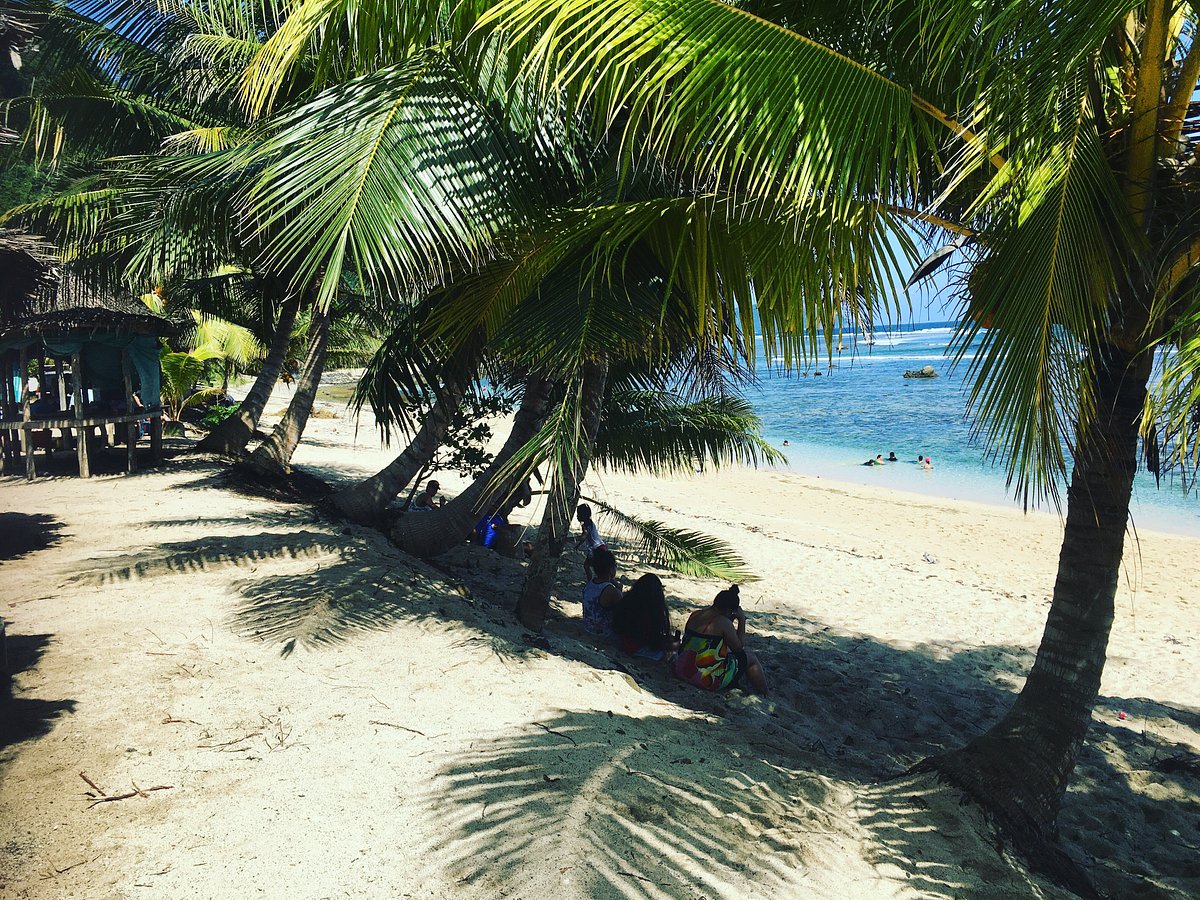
{"x": 428, "y": 498}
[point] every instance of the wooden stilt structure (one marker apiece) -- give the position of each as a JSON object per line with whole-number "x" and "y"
{"x": 81, "y": 433}
{"x": 133, "y": 427}
{"x": 48, "y": 314}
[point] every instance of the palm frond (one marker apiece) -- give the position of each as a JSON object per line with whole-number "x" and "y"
{"x": 392, "y": 176}
{"x": 654, "y": 431}
{"x": 664, "y": 273}
{"x": 338, "y": 40}
{"x": 217, "y": 338}
{"x": 737, "y": 100}
{"x": 1055, "y": 257}
{"x": 1174, "y": 400}
{"x": 687, "y": 552}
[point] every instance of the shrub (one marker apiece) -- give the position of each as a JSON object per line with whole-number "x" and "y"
{"x": 218, "y": 413}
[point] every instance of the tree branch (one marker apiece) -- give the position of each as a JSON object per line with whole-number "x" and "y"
{"x": 957, "y": 127}
{"x": 1143, "y": 139}
{"x": 919, "y": 216}
{"x": 1185, "y": 86}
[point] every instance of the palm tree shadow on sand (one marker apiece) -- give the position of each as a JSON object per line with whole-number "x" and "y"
{"x": 624, "y": 809}
{"x": 24, "y": 718}
{"x": 25, "y": 533}
{"x": 851, "y": 710}
{"x": 342, "y": 587}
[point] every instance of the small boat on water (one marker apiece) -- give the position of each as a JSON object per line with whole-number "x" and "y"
{"x": 926, "y": 372}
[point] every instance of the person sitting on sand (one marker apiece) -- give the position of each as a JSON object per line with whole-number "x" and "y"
{"x": 601, "y": 594}
{"x": 714, "y": 655}
{"x": 425, "y": 502}
{"x": 642, "y": 621}
{"x": 589, "y": 538}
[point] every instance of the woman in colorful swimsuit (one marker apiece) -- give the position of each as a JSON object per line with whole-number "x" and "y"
{"x": 714, "y": 655}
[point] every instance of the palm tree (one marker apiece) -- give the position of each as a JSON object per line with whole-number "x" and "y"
{"x": 230, "y": 437}
{"x": 1060, "y": 140}
{"x": 274, "y": 455}
{"x": 402, "y": 369}
{"x": 431, "y": 533}
{"x": 305, "y": 191}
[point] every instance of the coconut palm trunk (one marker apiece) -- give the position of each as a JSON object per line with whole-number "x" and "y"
{"x": 560, "y": 504}
{"x": 366, "y": 501}
{"x": 231, "y": 436}
{"x": 429, "y": 534}
{"x": 274, "y": 455}
{"x": 1020, "y": 767}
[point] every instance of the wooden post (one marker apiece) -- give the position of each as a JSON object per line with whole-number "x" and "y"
{"x": 156, "y": 438}
{"x": 6, "y": 435}
{"x": 60, "y": 366}
{"x": 81, "y": 436}
{"x": 131, "y": 428}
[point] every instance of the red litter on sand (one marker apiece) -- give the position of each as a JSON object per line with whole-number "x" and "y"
{"x": 1121, "y": 715}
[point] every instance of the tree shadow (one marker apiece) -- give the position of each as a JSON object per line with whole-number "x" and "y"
{"x": 208, "y": 554}
{"x": 23, "y": 719}
{"x": 25, "y": 533}
{"x": 927, "y": 838}
{"x": 630, "y": 814}
{"x": 1132, "y": 816}
{"x": 345, "y": 585}
{"x": 844, "y": 706}
{"x": 271, "y": 518}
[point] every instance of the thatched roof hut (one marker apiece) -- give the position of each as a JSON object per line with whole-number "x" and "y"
{"x": 37, "y": 298}
{"x": 105, "y": 349}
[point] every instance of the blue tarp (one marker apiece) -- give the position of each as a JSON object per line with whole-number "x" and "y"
{"x": 101, "y": 355}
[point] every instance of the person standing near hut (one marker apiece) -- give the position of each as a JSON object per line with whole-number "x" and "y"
{"x": 31, "y": 391}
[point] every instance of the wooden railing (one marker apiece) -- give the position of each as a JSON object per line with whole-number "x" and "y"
{"x": 25, "y": 427}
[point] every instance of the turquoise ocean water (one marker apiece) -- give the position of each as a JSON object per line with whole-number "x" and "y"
{"x": 863, "y": 406}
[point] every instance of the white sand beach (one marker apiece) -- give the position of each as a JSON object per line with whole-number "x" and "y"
{"x": 326, "y": 717}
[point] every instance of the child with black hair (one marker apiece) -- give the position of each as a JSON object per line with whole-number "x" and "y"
{"x": 642, "y": 621}
{"x": 601, "y": 595}
{"x": 589, "y": 538}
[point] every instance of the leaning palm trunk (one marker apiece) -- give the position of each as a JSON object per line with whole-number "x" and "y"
{"x": 556, "y": 520}
{"x": 366, "y": 501}
{"x": 1021, "y": 766}
{"x": 231, "y": 436}
{"x": 429, "y": 534}
{"x": 275, "y": 453}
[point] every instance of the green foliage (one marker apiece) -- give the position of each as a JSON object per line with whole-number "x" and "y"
{"x": 24, "y": 182}
{"x": 679, "y": 550}
{"x": 218, "y": 413}
{"x": 180, "y": 374}
{"x": 657, "y": 432}
{"x": 470, "y": 430}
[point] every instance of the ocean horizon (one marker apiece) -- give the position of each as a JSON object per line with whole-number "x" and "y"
{"x": 861, "y": 405}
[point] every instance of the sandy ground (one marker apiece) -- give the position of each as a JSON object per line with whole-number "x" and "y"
{"x": 326, "y": 717}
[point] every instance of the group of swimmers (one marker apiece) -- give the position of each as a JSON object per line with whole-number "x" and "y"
{"x": 711, "y": 654}
{"x": 923, "y": 461}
